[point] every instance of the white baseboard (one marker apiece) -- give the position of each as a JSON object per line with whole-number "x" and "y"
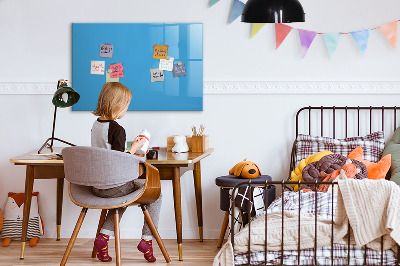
{"x": 246, "y": 87}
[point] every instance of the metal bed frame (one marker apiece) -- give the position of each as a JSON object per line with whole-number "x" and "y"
{"x": 283, "y": 184}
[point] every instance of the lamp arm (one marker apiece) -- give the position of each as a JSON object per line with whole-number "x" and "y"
{"x": 54, "y": 126}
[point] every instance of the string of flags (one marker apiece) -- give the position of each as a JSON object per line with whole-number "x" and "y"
{"x": 361, "y": 37}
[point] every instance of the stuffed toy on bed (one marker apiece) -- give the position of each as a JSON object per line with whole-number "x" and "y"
{"x": 317, "y": 171}
{"x": 245, "y": 169}
{"x": 13, "y": 215}
{"x": 296, "y": 174}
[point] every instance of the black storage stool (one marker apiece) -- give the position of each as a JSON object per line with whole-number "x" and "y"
{"x": 228, "y": 182}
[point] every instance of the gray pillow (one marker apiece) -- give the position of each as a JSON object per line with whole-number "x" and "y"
{"x": 393, "y": 148}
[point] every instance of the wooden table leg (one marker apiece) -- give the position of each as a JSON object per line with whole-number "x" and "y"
{"x": 27, "y": 206}
{"x": 223, "y": 229}
{"x": 176, "y": 184}
{"x": 60, "y": 191}
{"x": 199, "y": 204}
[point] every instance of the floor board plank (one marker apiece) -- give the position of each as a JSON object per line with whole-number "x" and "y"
{"x": 50, "y": 252}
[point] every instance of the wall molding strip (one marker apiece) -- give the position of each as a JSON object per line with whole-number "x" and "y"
{"x": 245, "y": 87}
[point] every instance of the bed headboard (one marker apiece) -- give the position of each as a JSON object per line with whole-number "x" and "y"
{"x": 344, "y": 121}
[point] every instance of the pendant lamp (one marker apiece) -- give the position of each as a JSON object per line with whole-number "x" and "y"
{"x": 273, "y": 11}
{"x": 63, "y": 97}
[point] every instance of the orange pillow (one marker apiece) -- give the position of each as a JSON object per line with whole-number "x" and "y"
{"x": 375, "y": 170}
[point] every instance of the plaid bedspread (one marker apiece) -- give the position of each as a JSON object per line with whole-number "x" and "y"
{"x": 307, "y": 202}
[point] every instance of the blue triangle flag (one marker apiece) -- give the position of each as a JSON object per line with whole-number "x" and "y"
{"x": 213, "y": 2}
{"x": 237, "y": 9}
{"x": 361, "y": 37}
{"x": 332, "y": 41}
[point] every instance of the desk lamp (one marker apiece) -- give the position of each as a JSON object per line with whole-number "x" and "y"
{"x": 63, "y": 97}
{"x": 273, "y": 11}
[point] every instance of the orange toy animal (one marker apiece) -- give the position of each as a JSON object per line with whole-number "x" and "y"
{"x": 245, "y": 169}
{"x": 13, "y": 214}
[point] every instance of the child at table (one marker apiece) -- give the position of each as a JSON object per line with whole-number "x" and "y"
{"x": 113, "y": 103}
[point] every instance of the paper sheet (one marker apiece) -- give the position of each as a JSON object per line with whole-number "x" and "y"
{"x": 166, "y": 64}
{"x": 97, "y": 67}
{"x": 156, "y": 75}
{"x": 110, "y": 79}
{"x": 117, "y": 70}
{"x": 160, "y": 51}
{"x": 179, "y": 70}
{"x": 106, "y": 50}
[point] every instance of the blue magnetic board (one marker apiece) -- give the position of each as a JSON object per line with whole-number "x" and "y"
{"x": 133, "y": 47}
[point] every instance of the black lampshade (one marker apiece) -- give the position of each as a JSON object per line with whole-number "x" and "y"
{"x": 273, "y": 11}
{"x": 71, "y": 98}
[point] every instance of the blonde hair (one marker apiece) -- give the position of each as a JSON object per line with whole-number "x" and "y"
{"x": 113, "y": 98}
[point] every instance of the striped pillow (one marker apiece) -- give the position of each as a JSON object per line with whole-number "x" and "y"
{"x": 13, "y": 228}
{"x": 372, "y": 145}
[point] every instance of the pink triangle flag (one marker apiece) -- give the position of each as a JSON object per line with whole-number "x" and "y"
{"x": 281, "y": 31}
{"x": 306, "y": 39}
{"x": 389, "y": 30}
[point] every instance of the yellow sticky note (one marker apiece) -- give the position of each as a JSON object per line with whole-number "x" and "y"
{"x": 108, "y": 79}
{"x": 160, "y": 51}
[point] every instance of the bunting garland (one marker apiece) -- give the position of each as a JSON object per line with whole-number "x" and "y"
{"x": 389, "y": 30}
{"x": 306, "y": 39}
{"x": 332, "y": 41}
{"x": 237, "y": 9}
{"x": 213, "y": 2}
{"x": 361, "y": 37}
{"x": 256, "y": 27}
{"x": 281, "y": 31}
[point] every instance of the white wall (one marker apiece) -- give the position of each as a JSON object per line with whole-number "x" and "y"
{"x": 35, "y": 41}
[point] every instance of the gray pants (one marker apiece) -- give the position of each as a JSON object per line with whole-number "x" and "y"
{"x": 154, "y": 208}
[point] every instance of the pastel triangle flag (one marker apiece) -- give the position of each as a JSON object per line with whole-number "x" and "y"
{"x": 213, "y": 2}
{"x": 237, "y": 9}
{"x": 332, "y": 41}
{"x": 389, "y": 30}
{"x": 361, "y": 37}
{"x": 256, "y": 27}
{"x": 281, "y": 31}
{"x": 306, "y": 39}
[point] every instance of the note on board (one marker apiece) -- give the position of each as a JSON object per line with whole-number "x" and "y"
{"x": 106, "y": 50}
{"x": 160, "y": 51}
{"x": 167, "y": 64}
{"x": 156, "y": 75}
{"x": 179, "y": 70}
{"x": 117, "y": 70}
{"x": 109, "y": 79}
{"x": 97, "y": 67}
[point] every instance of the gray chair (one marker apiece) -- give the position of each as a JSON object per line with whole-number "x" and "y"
{"x": 85, "y": 167}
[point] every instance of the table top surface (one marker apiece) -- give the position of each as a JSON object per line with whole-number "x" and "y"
{"x": 164, "y": 157}
{"x": 230, "y": 181}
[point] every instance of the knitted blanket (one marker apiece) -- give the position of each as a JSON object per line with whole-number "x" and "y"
{"x": 371, "y": 207}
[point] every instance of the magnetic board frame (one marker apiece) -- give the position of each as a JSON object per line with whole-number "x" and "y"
{"x": 133, "y": 46}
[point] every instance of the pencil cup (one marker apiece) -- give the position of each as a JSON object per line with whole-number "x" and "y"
{"x": 200, "y": 143}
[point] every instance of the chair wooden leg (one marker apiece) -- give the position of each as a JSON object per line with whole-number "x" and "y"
{"x": 223, "y": 229}
{"x": 73, "y": 237}
{"x": 117, "y": 238}
{"x": 154, "y": 230}
{"x": 101, "y": 222}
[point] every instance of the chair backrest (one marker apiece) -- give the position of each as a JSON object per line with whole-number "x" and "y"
{"x": 92, "y": 166}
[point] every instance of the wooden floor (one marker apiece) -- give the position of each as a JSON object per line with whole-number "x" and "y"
{"x": 50, "y": 252}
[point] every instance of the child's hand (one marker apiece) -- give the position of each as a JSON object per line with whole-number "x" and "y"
{"x": 137, "y": 144}
{"x": 143, "y": 155}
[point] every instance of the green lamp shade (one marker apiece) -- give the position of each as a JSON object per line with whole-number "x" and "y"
{"x": 65, "y": 96}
